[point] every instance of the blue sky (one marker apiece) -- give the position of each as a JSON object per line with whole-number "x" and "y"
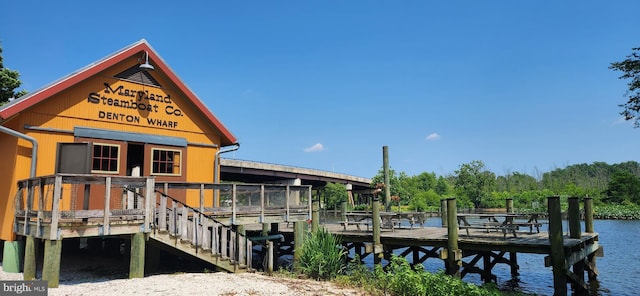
{"x": 520, "y": 85}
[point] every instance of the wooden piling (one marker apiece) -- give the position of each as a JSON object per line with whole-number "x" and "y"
{"x": 315, "y": 215}
{"x": 241, "y": 243}
{"x": 270, "y": 252}
{"x": 343, "y": 211}
{"x": 298, "y": 233}
{"x": 509, "y": 205}
{"x": 588, "y": 227}
{"x": 575, "y": 232}
{"x": 588, "y": 214}
{"x": 574, "y": 217}
{"x": 136, "y": 265}
{"x": 453, "y": 260}
{"x": 375, "y": 217}
{"x": 443, "y": 212}
{"x": 51, "y": 264}
{"x": 557, "y": 246}
{"x": 387, "y": 185}
{"x": 29, "y": 259}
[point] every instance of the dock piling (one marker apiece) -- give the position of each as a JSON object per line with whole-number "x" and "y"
{"x": 443, "y": 212}
{"x": 454, "y": 260}
{"x": 557, "y": 246}
{"x": 575, "y": 232}
{"x": 51, "y": 265}
{"x": 29, "y": 259}
{"x": 298, "y": 233}
{"x": 136, "y": 266}
{"x": 315, "y": 215}
{"x": 377, "y": 246}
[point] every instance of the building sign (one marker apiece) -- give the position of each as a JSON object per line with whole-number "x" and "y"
{"x": 130, "y": 105}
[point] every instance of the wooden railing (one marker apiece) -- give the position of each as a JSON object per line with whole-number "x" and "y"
{"x": 62, "y": 198}
{"x": 237, "y": 204}
{"x": 72, "y": 205}
{"x": 202, "y": 231}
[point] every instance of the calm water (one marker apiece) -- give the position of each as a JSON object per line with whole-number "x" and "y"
{"x": 619, "y": 268}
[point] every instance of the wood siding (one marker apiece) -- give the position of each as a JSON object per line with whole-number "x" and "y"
{"x": 91, "y": 104}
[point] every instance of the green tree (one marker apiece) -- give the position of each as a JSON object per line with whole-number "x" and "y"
{"x": 630, "y": 67}
{"x": 442, "y": 186}
{"x": 9, "y": 81}
{"x": 334, "y": 194}
{"x": 474, "y": 182}
{"x": 624, "y": 187}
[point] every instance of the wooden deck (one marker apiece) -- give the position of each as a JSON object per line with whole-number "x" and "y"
{"x": 63, "y": 206}
{"x": 480, "y": 240}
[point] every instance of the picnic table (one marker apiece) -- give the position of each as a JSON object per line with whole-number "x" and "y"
{"x": 387, "y": 220}
{"x": 504, "y": 222}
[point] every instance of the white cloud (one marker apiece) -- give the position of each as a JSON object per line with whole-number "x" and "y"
{"x": 433, "y": 137}
{"x": 315, "y": 148}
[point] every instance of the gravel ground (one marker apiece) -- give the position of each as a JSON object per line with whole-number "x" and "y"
{"x": 191, "y": 284}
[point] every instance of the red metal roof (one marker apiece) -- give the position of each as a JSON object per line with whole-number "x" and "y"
{"x": 68, "y": 81}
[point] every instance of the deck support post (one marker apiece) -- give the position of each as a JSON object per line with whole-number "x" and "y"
{"x": 513, "y": 263}
{"x": 11, "y": 255}
{"x": 241, "y": 243}
{"x": 298, "y": 234}
{"x": 557, "y": 247}
{"x": 51, "y": 264}
{"x": 275, "y": 253}
{"x": 443, "y": 212}
{"x": 136, "y": 266}
{"x": 454, "y": 256}
{"x": 29, "y": 259}
{"x": 375, "y": 217}
{"x": 575, "y": 233}
{"x": 270, "y": 251}
{"x": 588, "y": 227}
{"x": 509, "y": 205}
{"x": 315, "y": 215}
{"x": 487, "y": 276}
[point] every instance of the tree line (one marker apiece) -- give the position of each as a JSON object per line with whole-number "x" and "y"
{"x": 475, "y": 186}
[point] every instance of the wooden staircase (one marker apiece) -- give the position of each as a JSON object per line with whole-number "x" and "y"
{"x": 57, "y": 207}
{"x": 190, "y": 231}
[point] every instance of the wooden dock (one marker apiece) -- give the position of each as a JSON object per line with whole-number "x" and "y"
{"x": 479, "y": 249}
{"x": 422, "y": 243}
{"x": 220, "y": 228}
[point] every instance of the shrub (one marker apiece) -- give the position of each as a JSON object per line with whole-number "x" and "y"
{"x": 401, "y": 279}
{"x": 322, "y": 256}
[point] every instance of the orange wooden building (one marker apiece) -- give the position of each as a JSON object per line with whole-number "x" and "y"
{"x": 126, "y": 114}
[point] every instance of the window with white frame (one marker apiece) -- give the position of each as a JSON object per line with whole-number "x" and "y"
{"x": 166, "y": 162}
{"x": 105, "y": 158}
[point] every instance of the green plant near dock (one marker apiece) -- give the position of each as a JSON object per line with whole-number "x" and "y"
{"x": 322, "y": 256}
{"x": 400, "y": 279}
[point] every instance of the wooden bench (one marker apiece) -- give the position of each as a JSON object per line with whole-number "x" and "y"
{"x": 356, "y": 223}
{"x": 489, "y": 226}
